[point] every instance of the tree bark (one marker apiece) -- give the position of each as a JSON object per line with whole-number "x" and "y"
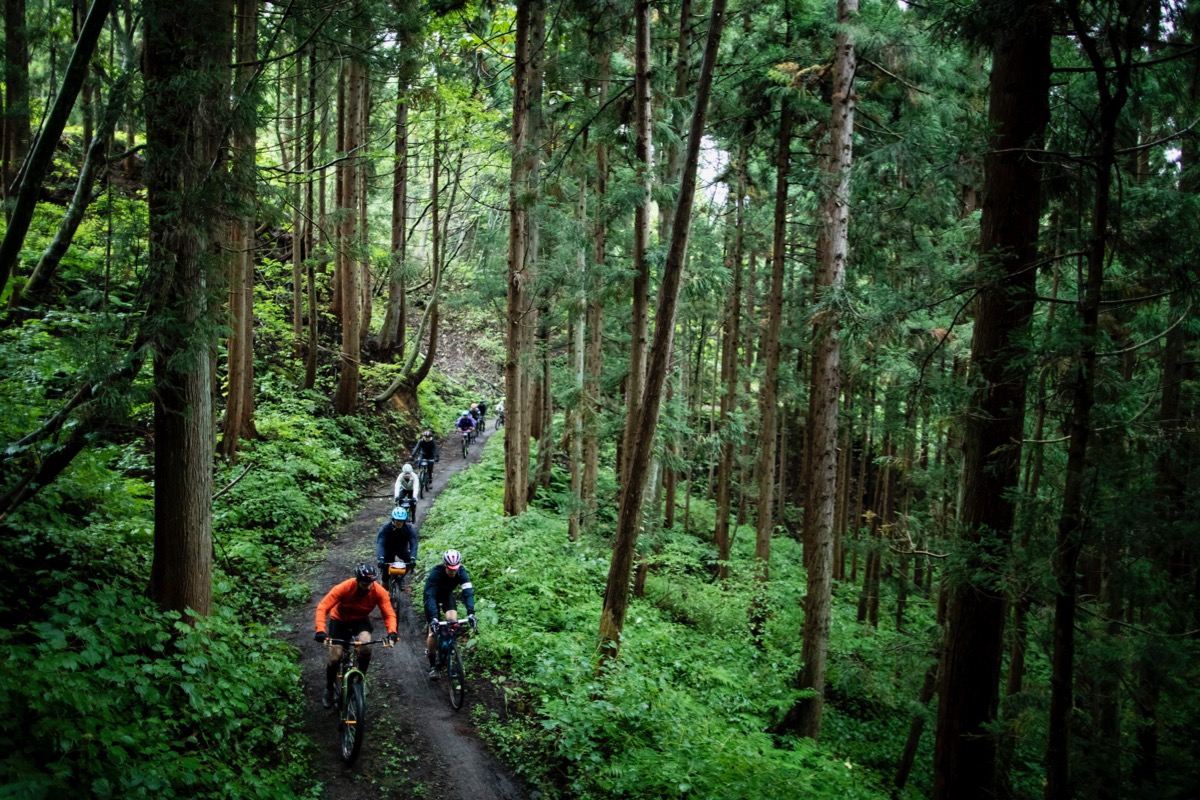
{"x": 188, "y": 49}
{"x": 964, "y": 755}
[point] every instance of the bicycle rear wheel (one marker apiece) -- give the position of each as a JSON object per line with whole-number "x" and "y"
{"x": 456, "y": 679}
{"x": 352, "y": 723}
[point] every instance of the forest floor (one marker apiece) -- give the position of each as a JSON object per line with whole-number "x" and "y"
{"x": 416, "y": 745}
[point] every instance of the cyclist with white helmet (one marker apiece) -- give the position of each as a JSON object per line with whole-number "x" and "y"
{"x": 406, "y": 484}
{"x": 439, "y": 596}
{"x": 465, "y": 421}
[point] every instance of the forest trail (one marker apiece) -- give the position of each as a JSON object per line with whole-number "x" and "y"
{"x": 415, "y": 744}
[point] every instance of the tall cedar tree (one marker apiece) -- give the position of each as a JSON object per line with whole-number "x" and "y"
{"x": 1018, "y": 110}
{"x": 188, "y": 49}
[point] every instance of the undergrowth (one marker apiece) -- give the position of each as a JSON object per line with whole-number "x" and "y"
{"x": 686, "y": 708}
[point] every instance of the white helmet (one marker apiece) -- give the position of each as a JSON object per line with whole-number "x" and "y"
{"x": 407, "y": 469}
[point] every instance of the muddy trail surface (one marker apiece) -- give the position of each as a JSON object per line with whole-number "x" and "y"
{"x": 415, "y": 744}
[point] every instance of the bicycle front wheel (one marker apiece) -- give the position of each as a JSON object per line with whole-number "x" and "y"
{"x": 464, "y": 443}
{"x": 352, "y": 722}
{"x": 457, "y": 681}
{"x": 395, "y": 592}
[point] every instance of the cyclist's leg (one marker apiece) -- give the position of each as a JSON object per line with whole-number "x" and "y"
{"x": 364, "y": 653}
{"x": 337, "y": 630}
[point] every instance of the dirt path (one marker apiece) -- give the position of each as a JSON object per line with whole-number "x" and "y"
{"x": 415, "y": 746}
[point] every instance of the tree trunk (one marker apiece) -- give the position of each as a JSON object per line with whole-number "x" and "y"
{"x": 805, "y": 716}
{"x": 186, "y": 65}
{"x": 16, "y": 97}
{"x": 640, "y": 323}
{"x": 595, "y": 314}
{"x": 768, "y": 438}
{"x": 729, "y": 376}
{"x": 348, "y": 272}
{"x": 616, "y": 593}
{"x": 239, "y": 399}
{"x": 964, "y": 756}
{"x": 1113, "y": 91}
{"x": 37, "y": 290}
{"x": 38, "y": 160}
{"x": 520, "y": 271}
{"x": 391, "y": 338}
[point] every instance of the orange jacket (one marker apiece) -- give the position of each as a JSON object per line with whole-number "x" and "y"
{"x": 347, "y": 605}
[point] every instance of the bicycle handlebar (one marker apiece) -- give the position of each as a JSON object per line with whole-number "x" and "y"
{"x": 353, "y": 642}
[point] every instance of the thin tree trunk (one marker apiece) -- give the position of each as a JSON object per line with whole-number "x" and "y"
{"x": 239, "y": 399}
{"x": 805, "y": 716}
{"x": 37, "y": 290}
{"x": 38, "y": 161}
{"x": 729, "y": 376}
{"x": 640, "y": 323}
{"x": 1113, "y": 92}
{"x": 616, "y": 594}
{"x": 769, "y": 385}
{"x": 391, "y": 338}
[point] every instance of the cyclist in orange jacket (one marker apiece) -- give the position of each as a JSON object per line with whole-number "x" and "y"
{"x": 349, "y": 605}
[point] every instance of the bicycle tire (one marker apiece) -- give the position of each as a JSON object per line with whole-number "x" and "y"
{"x": 396, "y": 593}
{"x": 421, "y": 486}
{"x": 456, "y": 679}
{"x": 352, "y": 724}
{"x": 465, "y": 445}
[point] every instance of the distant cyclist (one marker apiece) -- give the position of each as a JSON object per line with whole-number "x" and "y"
{"x": 426, "y": 448}
{"x": 482, "y": 414}
{"x": 465, "y": 422}
{"x": 349, "y": 605}
{"x": 406, "y": 485}
{"x": 439, "y": 596}
{"x": 500, "y": 412}
{"x": 397, "y": 539}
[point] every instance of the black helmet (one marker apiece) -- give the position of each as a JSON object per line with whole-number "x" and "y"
{"x": 365, "y": 571}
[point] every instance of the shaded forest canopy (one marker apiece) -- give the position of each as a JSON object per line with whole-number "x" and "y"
{"x": 848, "y": 352}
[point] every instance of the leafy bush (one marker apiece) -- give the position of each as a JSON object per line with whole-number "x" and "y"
{"x": 685, "y": 709}
{"x": 112, "y": 699}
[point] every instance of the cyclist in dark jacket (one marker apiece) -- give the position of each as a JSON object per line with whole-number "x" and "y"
{"x": 426, "y": 447}
{"x": 397, "y": 539}
{"x": 439, "y": 596}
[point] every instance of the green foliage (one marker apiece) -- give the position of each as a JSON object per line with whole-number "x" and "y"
{"x": 111, "y": 698}
{"x": 657, "y": 723}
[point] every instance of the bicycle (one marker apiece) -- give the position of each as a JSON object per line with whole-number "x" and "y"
{"x": 447, "y": 636}
{"x": 424, "y": 476}
{"x": 350, "y": 697}
{"x": 499, "y": 420}
{"x": 466, "y": 442}
{"x": 396, "y": 571}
